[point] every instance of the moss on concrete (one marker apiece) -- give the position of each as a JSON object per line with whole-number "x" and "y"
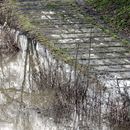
{"x": 32, "y": 31}
{"x": 106, "y": 29}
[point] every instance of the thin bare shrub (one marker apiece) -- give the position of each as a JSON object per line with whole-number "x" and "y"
{"x": 8, "y": 43}
{"x": 7, "y": 14}
{"x": 119, "y": 107}
{"x": 83, "y": 104}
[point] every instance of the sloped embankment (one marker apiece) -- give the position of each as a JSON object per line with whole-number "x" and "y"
{"x": 72, "y": 37}
{"x": 115, "y": 13}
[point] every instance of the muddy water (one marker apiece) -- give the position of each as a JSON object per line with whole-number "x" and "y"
{"x": 21, "y": 99}
{"x": 30, "y": 100}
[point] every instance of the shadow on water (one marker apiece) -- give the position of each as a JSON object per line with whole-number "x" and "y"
{"x": 38, "y": 92}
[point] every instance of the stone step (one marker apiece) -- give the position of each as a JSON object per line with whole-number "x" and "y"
{"x": 69, "y": 29}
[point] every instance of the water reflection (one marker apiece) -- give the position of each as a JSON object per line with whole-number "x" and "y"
{"x": 28, "y": 100}
{"x": 38, "y": 92}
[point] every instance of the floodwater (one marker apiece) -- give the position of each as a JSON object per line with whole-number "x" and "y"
{"x": 30, "y": 96}
{"x": 22, "y": 101}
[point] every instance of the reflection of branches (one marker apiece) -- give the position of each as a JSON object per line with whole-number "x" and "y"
{"x": 125, "y": 96}
{"x": 68, "y": 93}
{"x": 25, "y": 72}
{"x": 55, "y": 93}
{"x": 118, "y": 106}
{"x": 8, "y": 100}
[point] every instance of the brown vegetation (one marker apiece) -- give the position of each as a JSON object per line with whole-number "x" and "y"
{"x": 7, "y": 14}
{"x": 8, "y": 43}
{"x": 79, "y": 93}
